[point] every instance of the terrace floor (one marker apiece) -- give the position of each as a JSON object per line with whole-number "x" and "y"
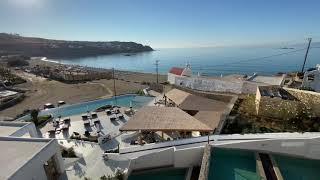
{"x": 77, "y": 125}
{"x": 92, "y": 165}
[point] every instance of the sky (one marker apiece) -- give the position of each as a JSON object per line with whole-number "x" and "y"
{"x": 165, "y": 23}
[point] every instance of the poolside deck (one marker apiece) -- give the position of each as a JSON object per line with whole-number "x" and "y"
{"x": 91, "y": 163}
{"x": 105, "y": 126}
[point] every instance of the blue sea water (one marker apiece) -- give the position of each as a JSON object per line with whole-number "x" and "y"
{"x": 209, "y": 61}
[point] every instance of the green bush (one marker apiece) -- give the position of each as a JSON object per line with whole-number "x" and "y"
{"x": 17, "y": 62}
{"x": 34, "y": 116}
{"x": 68, "y": 153}
{"x": 119, "y": 175}
{"x": 42, "y": 119}
{"x": 140, "y": 92}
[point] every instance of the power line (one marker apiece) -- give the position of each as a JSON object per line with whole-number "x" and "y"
{"x": 251, "y": 59}
{"x": 260, "y": 58}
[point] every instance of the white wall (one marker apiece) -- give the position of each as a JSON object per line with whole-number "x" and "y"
{"x": 204, "y": 84}
{"x": 157, "y": 159}
{"x": 34, "y": 169}
{"x": 188, "y": 157}
{"x": 22, "y": 128}
{"x": 29, "y": 128}
{"x": 171, "y": 78}
{"x": 307, "y": 148}
{"x": 315, "y": 84}
{"x": 183, "y": 158}
{"x": 304, "y": 145}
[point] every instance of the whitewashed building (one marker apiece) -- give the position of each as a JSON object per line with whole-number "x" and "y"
{"x": 311, "y": 79}
{"x": 179, "y": 72}
{"x": 248, "y": 156}
{"x": 25, "y": 156}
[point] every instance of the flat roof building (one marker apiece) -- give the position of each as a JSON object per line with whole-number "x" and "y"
{"x": 24, "y": 156}
{"x": 18, "y": 129}
{"x": 28, "y": 158}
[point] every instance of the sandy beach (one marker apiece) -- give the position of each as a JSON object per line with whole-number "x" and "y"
{"x": 42, "y": 90}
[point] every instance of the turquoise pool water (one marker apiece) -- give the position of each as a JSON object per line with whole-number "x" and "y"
{"x": 166, "y": 174}
{"x": 228, "y": 164}
{"x": 294, "y": 168}
{"x": 79, "y": 108}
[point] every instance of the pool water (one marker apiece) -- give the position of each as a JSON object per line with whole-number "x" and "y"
{"x": 229, "y": 164}
{"x": 165, "y": 174}
{"x": 124, "y": 101}
{"x": 294, "y": 168}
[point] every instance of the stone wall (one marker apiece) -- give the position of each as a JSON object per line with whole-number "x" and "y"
{"x": 205, "y": 165}
{"x": 308, "y": 98}
{"x": 210, "y": 95}
{"x": 279, "y": 108}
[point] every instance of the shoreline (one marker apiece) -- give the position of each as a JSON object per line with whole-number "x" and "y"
{"x": 51, "y": 62}
{"x": 42, "y": 90}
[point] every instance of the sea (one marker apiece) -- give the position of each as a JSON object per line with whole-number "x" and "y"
{"x": 209, "y": 61}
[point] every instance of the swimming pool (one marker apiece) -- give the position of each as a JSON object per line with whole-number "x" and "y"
{"x": 162, "y": 174}
{"x": 79, "y": 108}
{"x": 229, "y": 164}
{"x": 294, "y": 168}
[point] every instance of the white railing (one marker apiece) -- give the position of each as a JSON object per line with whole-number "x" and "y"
{"x": 231, "y": 137}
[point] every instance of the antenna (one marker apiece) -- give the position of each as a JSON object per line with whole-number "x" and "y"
{"x": 306, "y": 56}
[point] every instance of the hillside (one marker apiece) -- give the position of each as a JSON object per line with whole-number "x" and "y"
{"x": 31, "y": 46}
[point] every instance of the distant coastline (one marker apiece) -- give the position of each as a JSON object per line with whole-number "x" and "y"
{"x": 32, "y": 46}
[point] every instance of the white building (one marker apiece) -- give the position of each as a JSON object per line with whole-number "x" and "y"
{"x": 238, "y": 84}
{"x": 179, "y": 72}
{"x": 18, "y": 129}
{"x": 311, "y": 79}
{"x": 249, "y": 156}
{"x": 24, "y": 156}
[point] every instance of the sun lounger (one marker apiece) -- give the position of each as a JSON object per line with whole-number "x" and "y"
{"x": 66, "y": 120}
{"x": 113, "y": 118}
{"x": 86, "y": 122}
{"x": 84, "y": 117}
{"x": 94, "y": 115}
{"x": 109, "y": 112}
{"x": 121, "y": 116}
{"x": 96, "y": 121}
{"x": 65, "y": 127}
{"x": 98, "y": 128}
{"x": 52, "y": 130}
{"x": 116, "y": 111}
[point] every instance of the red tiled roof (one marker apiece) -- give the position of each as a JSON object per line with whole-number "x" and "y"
{"x": 176, "y": 71}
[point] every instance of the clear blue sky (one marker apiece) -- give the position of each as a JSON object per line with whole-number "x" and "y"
{"x": 165, "y": 23}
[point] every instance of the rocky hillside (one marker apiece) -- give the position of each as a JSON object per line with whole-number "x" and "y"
{"x": 31, "y": 46}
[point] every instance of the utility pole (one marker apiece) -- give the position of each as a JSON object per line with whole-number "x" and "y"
{"x": 306, "y": 55}
{"x": 114, "y": 86}
{"x": 157, "y": 70}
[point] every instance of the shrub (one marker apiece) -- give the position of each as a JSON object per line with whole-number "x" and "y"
{"x": 34, "y": 116}
{"x": 119, "y": 175}
{"x": 17, "y": 62}
{"x": 42, "y": 119}
{"x": 140, "y": 92}
{"x": 104, "y": 177}
{"x": 69, "y": 153}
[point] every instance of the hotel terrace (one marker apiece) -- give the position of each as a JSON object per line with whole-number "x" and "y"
{"x": 174, "y": 138}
